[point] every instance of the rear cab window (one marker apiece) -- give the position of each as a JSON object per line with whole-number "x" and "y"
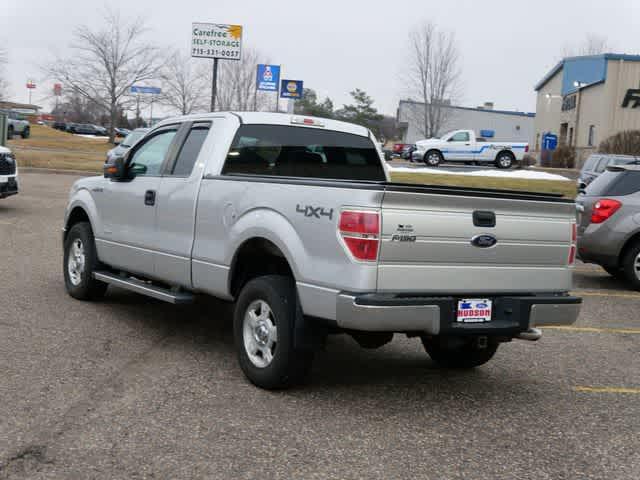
{"x": 291, "y": 151}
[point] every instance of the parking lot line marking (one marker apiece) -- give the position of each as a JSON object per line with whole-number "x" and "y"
{"x": 607, "y": 390}
{"x": 3, "y": 222}
{"x": 605, "y": 293}
{"x": 566, "y": 328}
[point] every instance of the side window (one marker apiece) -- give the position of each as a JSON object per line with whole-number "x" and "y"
{"x": 590, "y": 163}
{"x": 602, "y": 164}
{"x": 460, "y": 137}
{"x": 190, "y": 150}
{"x": 148, "y": 157}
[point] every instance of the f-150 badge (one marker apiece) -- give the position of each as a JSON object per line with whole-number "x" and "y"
{"x": 404, "y": 234}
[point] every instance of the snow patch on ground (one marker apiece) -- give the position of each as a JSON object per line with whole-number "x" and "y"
{"x": 524, "y": 174}
{"x": 92, "y": 137}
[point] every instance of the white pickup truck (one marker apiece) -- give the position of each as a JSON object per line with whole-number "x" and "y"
{"x": 8, "y": 173}
{"x": 464, "y": 146}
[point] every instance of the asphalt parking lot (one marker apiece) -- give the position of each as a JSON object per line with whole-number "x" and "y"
{"x": 134, "y": 388}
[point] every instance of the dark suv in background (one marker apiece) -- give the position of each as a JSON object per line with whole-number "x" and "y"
{"x": 609, "y": 222}
{"x": 597, "y": 163}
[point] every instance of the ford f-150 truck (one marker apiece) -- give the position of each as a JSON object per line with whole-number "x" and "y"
{"x": 296, "y": 221}
{"x": 8, "y": 173}
{"x": 464, "y": 146}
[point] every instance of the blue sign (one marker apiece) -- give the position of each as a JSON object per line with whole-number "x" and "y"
{"x": 549, "y": 141}
{"x": 487, "y": 133}
{"x": 268, "y": 78}
{"x": 291, "y": 89}
{"x": 140, "y": 89}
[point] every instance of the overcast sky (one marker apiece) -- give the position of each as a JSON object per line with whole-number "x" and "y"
{"x": 335, "y": 46}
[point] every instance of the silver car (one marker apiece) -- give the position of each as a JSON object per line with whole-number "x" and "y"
{"x": 609, "y": 222}
{"x": 120, "y": 149}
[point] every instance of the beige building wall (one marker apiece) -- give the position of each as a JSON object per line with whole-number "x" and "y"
{"x": 600, "y": 107}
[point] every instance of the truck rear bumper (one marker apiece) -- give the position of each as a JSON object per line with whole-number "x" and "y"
{"x": 437, "y": 315}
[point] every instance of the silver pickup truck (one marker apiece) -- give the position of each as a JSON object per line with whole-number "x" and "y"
{"x": 296, "y": 221}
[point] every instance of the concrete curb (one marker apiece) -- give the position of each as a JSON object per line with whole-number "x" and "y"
{"x": 85, "y": 173}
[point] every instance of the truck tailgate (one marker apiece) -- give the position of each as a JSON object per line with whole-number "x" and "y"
{"x": 427, "y": 241}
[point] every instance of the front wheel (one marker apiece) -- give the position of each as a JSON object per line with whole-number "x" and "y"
{"x": 505, "y": 160}
{"x": 80, "y": 261}
{"x": 263, "y": 326}
{"x": 460, "y": 353}
{"x": 26, "y": 132}
{"x": 433, "y": 158}
{"x": 10, "y": 133}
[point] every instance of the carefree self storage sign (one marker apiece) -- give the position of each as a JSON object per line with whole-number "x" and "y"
{"x": 215, "y": 40}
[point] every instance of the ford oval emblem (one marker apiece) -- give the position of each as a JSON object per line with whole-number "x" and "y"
{"x": 484, "y": 241}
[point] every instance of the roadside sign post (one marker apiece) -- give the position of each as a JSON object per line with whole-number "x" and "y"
{"x": 218, "y": 42}
{"x": 138, "y": 89}
{"x": 267, "y": 80}
{"x": 292, "y": 90}
{"x": 31, "y": 85}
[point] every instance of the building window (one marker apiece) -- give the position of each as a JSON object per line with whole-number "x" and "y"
{"x": 592, "y": 135}
{"x": 570, "y": 136}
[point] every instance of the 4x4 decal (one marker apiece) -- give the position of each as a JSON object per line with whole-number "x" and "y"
{"x": 317, "y": 212}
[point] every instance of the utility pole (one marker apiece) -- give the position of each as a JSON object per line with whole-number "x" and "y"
{"x": 214, "y": 84}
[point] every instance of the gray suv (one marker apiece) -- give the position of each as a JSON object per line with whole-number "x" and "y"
{"x": 597, "y": 163}
{"x": 609, "y": 222}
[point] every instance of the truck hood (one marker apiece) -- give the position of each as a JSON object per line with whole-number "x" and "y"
{"x": 427, "y": 141}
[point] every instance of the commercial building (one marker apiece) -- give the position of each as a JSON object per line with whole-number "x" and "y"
{"x": 499, "y": 125}
{"x": 583, "y": 100}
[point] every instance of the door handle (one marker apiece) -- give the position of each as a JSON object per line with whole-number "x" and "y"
{"x": 150, "y": 197}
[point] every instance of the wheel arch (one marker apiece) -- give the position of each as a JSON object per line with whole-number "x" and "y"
{"x": 431, "y": 150}
{"x": 632, "y": 240}
{"x": 81, "y": 209}
{"x": 511, "y": 154}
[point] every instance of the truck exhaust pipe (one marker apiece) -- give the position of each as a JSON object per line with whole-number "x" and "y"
{"x": 531, "y": 335}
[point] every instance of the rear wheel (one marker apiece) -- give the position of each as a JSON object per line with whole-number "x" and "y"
{"x": 263, "y": 326}
{"x": 615, "y": 272}
{"x": 631, "y": 265}
{"x": 26, "y": 132}
{"x": 460, "y": 352}
{"x": 505, "y": 160}
{"x": 433, "y": 158}
{"x": 10, "y": 132}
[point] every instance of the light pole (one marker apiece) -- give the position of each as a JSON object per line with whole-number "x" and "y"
{"x": 579, "y": 86}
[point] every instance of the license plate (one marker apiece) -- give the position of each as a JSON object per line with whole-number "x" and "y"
{"x": 474, "y": 310}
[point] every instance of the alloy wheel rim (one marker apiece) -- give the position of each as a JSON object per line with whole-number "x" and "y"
{"x": 433, "y": 159}
{"x": 505, "y": 161}
{"x": 260, "y": 334}
{"x": 636, "y": 266}
{"x": 76, "y": 262}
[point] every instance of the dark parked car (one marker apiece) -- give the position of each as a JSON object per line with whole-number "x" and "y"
{"x": 609, "y": 222}
{"x": 60, "y": 126}
{"x": 597, "y": 163}
{"x": 86, "y": 129}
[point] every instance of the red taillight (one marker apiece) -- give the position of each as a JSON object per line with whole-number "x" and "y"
{"x": 603, "y": 209}
{"x": 574, "y": 232}
{"x": 572, "y": 255}
{"x": 360, "y": 231}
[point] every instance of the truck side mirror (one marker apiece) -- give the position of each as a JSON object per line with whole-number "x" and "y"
{"x": 115, "y": 170}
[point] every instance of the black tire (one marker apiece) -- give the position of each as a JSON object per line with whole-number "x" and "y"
{"x": 26, "y": 132}
{"x": 433, "y": 158}
{"x": 505, "y": 160}
{"x": 615, "y": 272}
{"x": 463, "y": 354}
{"x": 288, "y": 365}
{"x": 10, "y": 132}
{"x": 631, "y": 265}
{"x": 88, "y": 288}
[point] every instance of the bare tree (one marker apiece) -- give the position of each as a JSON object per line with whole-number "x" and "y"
{"x": 433, "y": 77}
{"x": 593, "y": 44}
{"x": 237, "y": 84}
{"x": 184, "y": 85}
{"x": 4, "y": 59}
{"x": 105, "y": 63}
